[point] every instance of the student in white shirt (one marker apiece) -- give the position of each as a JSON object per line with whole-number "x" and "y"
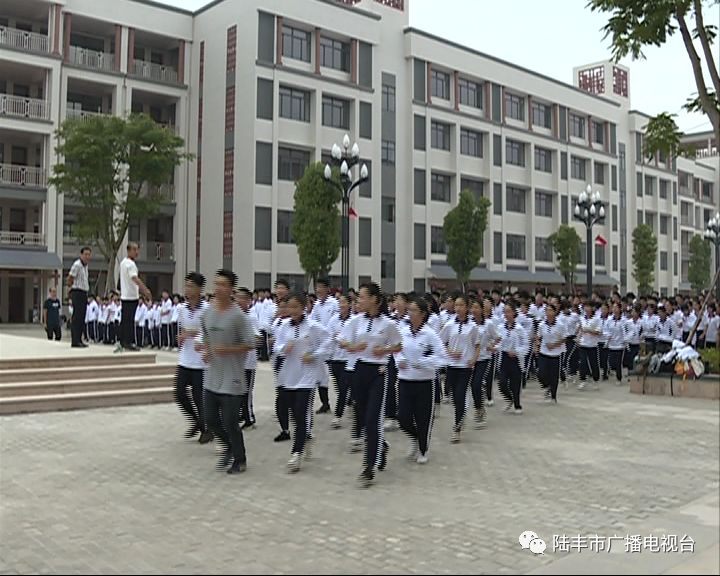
{"x": 174, "y": 323}
{"x": 551, "y": 341}
{"x": 571, "y": 325}
{"x": 110, "y": 314}
{"x": 165, "y": 317}
{"x": 488, "y": 338}
{"x": 140, "y": 323}
{"x": 688, "y": 321}
{"x": 634, "y": 328}
{"x": 191, "y": 367}
{"x": 590, "y": 332}
{"x": 461, "y": 339}
{"x": 399, "y": 314}
{"x": 92, "y": 317}
{"x": 275, "y": 334}
{"x": 713, "y": 326}
{"x": 244, "y": 298}
{"x": 157, "y": 317}
{"x": 668, "y": 330}
{"x": 421, "y": 355}
{"x": 650, "y": 328}
{"x": 513, "y": 349}
{"x": 338, "y": 360}
{"x": 102, "y": 320}
{"x": 305, "y": 347}
{"x": 602, "y": 342}
{"x": 373, "y": 336}
{"x": 617, "y": 334}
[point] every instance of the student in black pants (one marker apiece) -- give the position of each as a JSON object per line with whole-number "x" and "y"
{"x": 514, "y": 346}
{"x": 422, "y": 352}
{"x": 551, "y": 343}
{"x": 617, "y": 335}
{"x": 488, "y": 339}
{"x": 338, "y": 360}
{"x": 373, "y": 337}
{"x": 590, "y": 332}
{"x": 603, "y": 350}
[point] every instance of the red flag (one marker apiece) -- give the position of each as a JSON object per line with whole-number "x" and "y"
{"x": 600, "y": 240}
{"x": 352, "y": 213}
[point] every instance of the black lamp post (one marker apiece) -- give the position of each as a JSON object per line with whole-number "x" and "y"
{"x": 345, "y": 159}
{"x": 589, "y": 210}
{"x": 712, "y": 234}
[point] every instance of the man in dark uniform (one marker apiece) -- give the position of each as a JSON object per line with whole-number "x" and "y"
{"x": 51, "y": 316}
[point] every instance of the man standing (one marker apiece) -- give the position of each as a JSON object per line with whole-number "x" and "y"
{"x": 227, "y": 337}
{"x": 79, "y": 285}
{"x": 51, "y": 316}
{"x": 130, "y": 288}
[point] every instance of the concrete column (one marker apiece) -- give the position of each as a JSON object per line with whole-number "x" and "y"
{"x": 456, "y": 89}
{"x": 118, "y": 47}
{"x": 124, "y": 50}
{"x": 131, "y": 49}
{"x": 488, "y": 100}
{"x": 317, "y": 51}
{"x": 428, "y": 82}
{"x": 67, "y": 31}
{"x": 181, "y": 62}
{"x": 279, "y": 40}
{"x": 354, "y": 61}
{"x": 55, "y": 19}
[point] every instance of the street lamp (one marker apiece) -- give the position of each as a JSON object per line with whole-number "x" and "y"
{"x": 589, "y": 210}
{"x": 345, "y": 159}
{"x": 712, "y": 234}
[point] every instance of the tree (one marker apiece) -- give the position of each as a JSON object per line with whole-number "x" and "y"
{"x": 644, "y": 252}
{"x": 316, "y": 222}
{"x": 463, "y": 230}
{"x": 566, "y": 245}
{"x": 114, "y": 168}
{"x": 699, "y": 268}
{"x": 636, "y": 24}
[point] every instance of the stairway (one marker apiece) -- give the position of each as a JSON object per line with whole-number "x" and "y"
{"x": 74, "y": 382}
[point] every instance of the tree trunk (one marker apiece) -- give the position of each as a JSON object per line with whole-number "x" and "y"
{"x": 110, "y": 271}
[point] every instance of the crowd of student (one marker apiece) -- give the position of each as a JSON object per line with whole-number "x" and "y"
{"x": 394, "y": 358}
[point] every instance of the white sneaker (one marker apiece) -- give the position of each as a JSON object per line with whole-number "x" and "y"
{"x": 412, "y": 450}
{"x": 336, "y": 423}
{"x": 446, "y": 400}
{"x": 391, "y": 425}
{"x": 422, "y": 459}
{"x": 508, "y": 407}
{"x": 480, "y": 419}
{"x": 517, "y": 411}
{"x": 455, "y": 437}
{"x": 581, "y": 385}
{"x": 546, "y": 400}
{"x": 356, "y": 445}
{"x": 294, "y": 462}
{"x": 307, "y": 453}
{"x": 491, "y": 402}
{"x": 596, "y": 386}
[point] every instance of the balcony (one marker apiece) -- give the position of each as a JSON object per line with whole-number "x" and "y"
{"x": 686, "y": 220}
{"x": 685, "y": 251}
{"x": 153, "y": 71}
{"x": 22, "y": 40}
{"x": 91, "y": 59}
{"x": 28, "y": 176}
{"x": 33, "y": 239}
{"x": 706, "y": 152}
{"x": 21, "y": 107}
{"x": 76, "y": 114}
{"x": 685, "y": 191}
{"x": 163, "y": 252}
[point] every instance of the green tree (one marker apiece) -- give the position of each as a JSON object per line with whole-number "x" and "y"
{"x": 636, "y": 24}
{"x": 699, "y": 268}
{"x": 114, "y": 168}
{"x": 316, "y": 222}
{"x": 463, "y": 230}
{"x": 644, "y": 256}
{"x": 566, "y": 245}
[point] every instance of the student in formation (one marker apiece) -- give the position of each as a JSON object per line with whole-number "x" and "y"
{"x": 92, "y": 316}
{"x": 514, "y": 347}
{"x": 244, "y": 299}
{"x": 550, "y": 341}
{"x": 273, "y": 334}
{"x": 338, "y": 360}
{"x": 590, "y": 332}
{"x": 165, "y": 318}
{"x": 174, "y": 323}
{"x": 618, "y": 336}
{"x": 140, "y": 312}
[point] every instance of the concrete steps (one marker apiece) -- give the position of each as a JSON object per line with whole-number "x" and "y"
{"x": 72, "y": 382}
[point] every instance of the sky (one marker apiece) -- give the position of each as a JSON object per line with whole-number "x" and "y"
{"x": 553, "y": 36}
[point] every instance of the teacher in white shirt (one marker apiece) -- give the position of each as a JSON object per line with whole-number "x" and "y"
{"x": 130, "y": 288}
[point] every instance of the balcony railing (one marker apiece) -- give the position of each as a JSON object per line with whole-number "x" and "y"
{"x": 685, "y": 251}
{"x": 686, "y": 220}
{"x": 21, "y": 107}
{"x": 29, "y": 176}
{"x": 92, "y": 59}
{"x": 76, "y": 114}
{"x": 154, "y": 71}
{"x": 706, "y": 152}
{"x": 685, "y": 191}
{"x": 163, "y": 252}
{"x": 22, "y": 40}
{"x": 21, "y": 238}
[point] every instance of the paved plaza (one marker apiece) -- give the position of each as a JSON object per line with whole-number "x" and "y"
{"x": 120, "y": 491}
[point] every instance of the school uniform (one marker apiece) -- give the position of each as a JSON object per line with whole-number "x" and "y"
{"x": 527, "y": 323}
{"x": 460, "y": 337}
{"x": 118, "y": 317}
{"x": 634, "y": 336}
{"x": 688, "y": 323}
{"x": 110, "y": 313}
{"x": 589, "y": 353}
{"x": 248, "y": 406}
{"x": 603, "y": 351}
{"x": 140, "y": 312}
{"x": 391, "y": 399}
{"x": 157, "y": 317}
{"x": 422, "y": 354}
{"x": 552, "y": 340}
{"x": 617, "y": 335}
{"x": 488, "y": 335}
{"x": 711, "y": 332}
{"x": 569, "y": 363}
{"x": 338, "y": 363}
{"x": 191, "y": 367}
{"x": 92, "y": 316}
{"x": 282, "y": 408}
{"x": 515, "y": 340}
{"x": 668, "y": 330}
{"x": 165, "y": 316}
{"x": 102, "y": 323}
{"x": 174, "y": 326}
{"x": 649, "y": 331}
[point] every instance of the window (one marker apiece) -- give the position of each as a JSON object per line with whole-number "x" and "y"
{"x": 334, "y": 54}
{"x": 437, "y": 240}
{"x": 477, "y": 187}
{"x": 582, "y": 253}
{"x": 440, "y": 84}
{"x": 263, "y": 228}
{"x": 515, "y": 199}
{"x": 600, "y": 173}
{"x": 419, "y": 186}
{"x": 440, "y": 135}
{"x": 365, "y": 120}
{"x": 419, "y": 242}
{"x": 664, "y": 224}
{"x": 577, "y": 168}
{"x": 335, "y": 112}
{"x": 613, "y": 177}
{"x": 470, "y": 143}
{"x": 387, "y": 152}
{"x": 563, "y": 209}
{"x": 563, "y": 165}
{"x": 294, "y": 104}
{"x": 663, "y": 260}
{"x": 614, "y": 211}
{"x": 649, "y": 186}
{"x": 614, "y": 258}
{"x": 388, "y": 98}
{"x": 470, "y": 93}
{"x": 387, "y": 209}
{"x": 543, "y": 204}
{"x": 514, "y": 152}
{"x": 497, "y": 248}
{"x": 674, "y": 228}
{"x": 497, "y": 150}
{"x": 543, "y": 250}
{"x": 543, "y": 159}
{"x": 284, "y": 226}
{"x": 675, "y": 266}
{"x": 364, "y": 236}
{"x": 292, "y": 163}
{"x": 577, "y": 126}
{"x": 541, "y": 115}
{"x": 497, "y": 199}
{"x": 664, "y": 187}
{"x": 515, "y": 246}
{"x": 514, "y": 106}
{"x": 296, "y": 43}
{"x": 599, "y": 255}
{"x": 598, "y": 132}
{"x": 419, "y": 132}
{"x": 440, "y": 187}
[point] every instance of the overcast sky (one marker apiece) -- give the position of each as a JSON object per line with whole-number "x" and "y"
{"x": 552, "y": 36}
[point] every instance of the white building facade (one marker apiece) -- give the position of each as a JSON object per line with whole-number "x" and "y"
{"x": 261, "y": 88}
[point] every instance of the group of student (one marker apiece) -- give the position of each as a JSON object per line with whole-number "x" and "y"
{"x": 156, "y": 323}
{"x": 394, "y": 358}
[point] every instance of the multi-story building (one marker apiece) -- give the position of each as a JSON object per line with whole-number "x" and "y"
{"x": 261, "y": 88}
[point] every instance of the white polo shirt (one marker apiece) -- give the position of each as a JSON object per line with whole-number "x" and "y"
{"x": 128, "y": 289}
{"x": 189, "y": 319}
{"x": 166, "y": 311}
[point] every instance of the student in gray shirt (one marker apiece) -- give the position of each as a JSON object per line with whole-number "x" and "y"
{"x": 227, "y": 336}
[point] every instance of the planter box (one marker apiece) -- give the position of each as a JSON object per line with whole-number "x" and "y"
{"x": 706, "y": 387}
